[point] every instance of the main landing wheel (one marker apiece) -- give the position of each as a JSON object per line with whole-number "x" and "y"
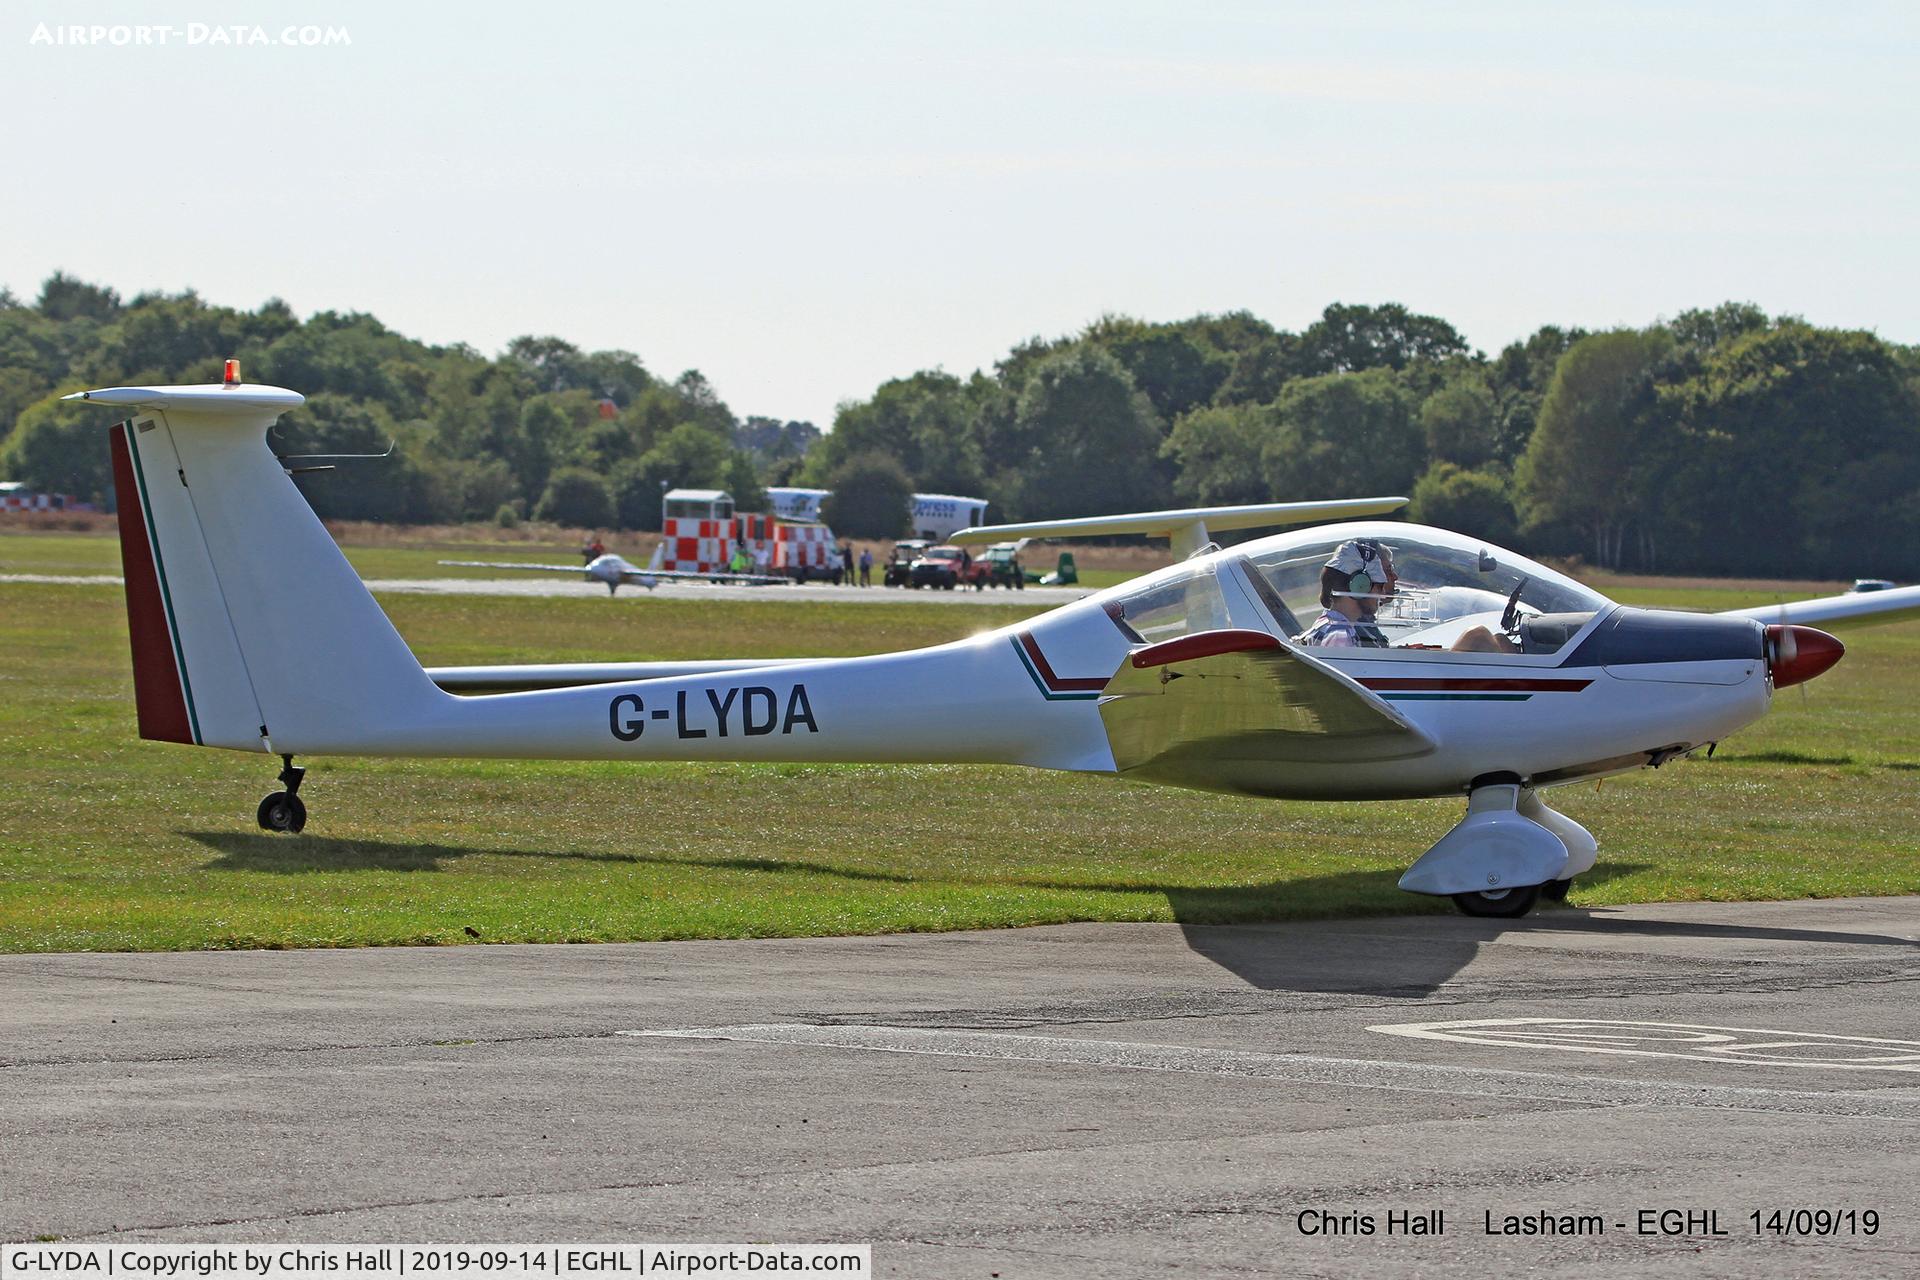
{"x": 284, "y": 812}
{"x": 1556, "y": 890}
{"x": 1499, "y": 904}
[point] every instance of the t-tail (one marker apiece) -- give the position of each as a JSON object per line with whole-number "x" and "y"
{"x": 247, "y": 624}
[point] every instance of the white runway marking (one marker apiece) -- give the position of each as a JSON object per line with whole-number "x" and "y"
{"x": 67, "y": 579}
{"x": 562, "y": 587}
{"x": 1675, "y": 1040}
{"x": 1353, "y": 1073}
{"x": 823, "y": 591}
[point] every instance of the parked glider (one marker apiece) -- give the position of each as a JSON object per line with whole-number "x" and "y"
{"x": 251, "y": 631}
{"x": 616, "y": 571}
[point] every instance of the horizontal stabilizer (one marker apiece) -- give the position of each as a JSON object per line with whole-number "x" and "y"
{"x": 1186, "y": 527}
{"x": 1854, "y": 609}
{"x": 207, "y": 398}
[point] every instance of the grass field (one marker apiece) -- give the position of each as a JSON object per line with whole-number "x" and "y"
{"x": 108, "y": 842}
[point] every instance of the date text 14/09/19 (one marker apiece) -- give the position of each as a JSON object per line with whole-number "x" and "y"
{"x": 1697, "y": 1223}
{"x": 751, "y": 712}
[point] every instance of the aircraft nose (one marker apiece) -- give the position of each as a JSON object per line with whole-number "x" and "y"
{"x": 1798, "y": 654}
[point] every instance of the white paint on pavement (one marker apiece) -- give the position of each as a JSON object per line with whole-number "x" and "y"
{"x": 1350, "y": 1073}
{"x": 1749, "y": 1045}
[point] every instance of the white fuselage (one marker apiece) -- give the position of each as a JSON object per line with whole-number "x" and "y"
{"x": 251, "y": 631}
{"x": 1029, "y": 694}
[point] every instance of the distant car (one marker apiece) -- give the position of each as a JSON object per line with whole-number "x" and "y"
{"x": 1869, "y": 584}
{"x": 899, "y": 569}
{"x": 946, "y": 568}
{"x": 1001, "y": 562}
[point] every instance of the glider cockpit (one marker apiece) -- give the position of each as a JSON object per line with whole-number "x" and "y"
{"x": 1450, "y": 594}
{"x": 1446, "y": 587}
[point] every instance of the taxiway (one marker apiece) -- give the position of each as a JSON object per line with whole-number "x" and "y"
{"x": 1118, "y": 1100}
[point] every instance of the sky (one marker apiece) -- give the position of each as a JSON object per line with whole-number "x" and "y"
{"x": 804, "y": 200}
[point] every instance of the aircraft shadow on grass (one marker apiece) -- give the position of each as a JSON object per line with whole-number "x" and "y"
{"x": 1333, "y": 956}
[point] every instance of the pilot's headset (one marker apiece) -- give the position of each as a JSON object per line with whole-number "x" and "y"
{"x": 1360, "y": 582}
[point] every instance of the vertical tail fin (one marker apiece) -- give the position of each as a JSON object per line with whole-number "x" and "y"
{"x": 249, "y": 628}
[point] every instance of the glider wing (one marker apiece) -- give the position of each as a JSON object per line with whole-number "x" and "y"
{"x": 1855, "y": 609}
{"x": 1210, "y": 705}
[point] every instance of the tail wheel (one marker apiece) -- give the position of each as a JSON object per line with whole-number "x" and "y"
{"x": 1499, "y": 904}
{"x": 282, "y": 812}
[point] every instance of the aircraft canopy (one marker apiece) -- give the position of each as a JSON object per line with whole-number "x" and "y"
{"x": 1442, "y": 577}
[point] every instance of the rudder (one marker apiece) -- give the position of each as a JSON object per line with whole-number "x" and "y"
{"x": 159, "y": 682}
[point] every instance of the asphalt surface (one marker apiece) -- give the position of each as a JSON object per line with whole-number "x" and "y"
{"x": 1119, "y": 1100}
{"x": 536, "y": 585}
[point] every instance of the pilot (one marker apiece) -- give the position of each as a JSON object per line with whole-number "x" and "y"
{"x": 1352, "y": 585}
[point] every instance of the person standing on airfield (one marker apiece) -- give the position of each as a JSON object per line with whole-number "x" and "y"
{"x": 846, "y": 561}
{"x": 866, "y": 566}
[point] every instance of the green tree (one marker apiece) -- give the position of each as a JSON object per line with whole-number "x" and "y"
{"x": 1461, "y": 422}
{"x": 702, "y": 404}
{"x": 62, "y": 297}
{"x": 1258, "y": 372}
{"x": 345, "y": 355}
{"x": 1519, "y": 378}
{"x": 743, "y": 483}
{"x": 1171, "y": 364}
{"x": 870, "y": 498}
{"x": 19, "y": 387}
{"x": 1342, "y": 435}
{"x": 925, "y": 421}
{"x": 1470, "y": 502}
{"x": 553, "y": 364}
{"x": 1701, "y": 330}
{"x": 770, "y": 440}
{"x": 638, "y": 488}
{"x": 471, "y": 488}
{"x": 688, "y": 457}
{"x": 541, "y": 443}
{"x": 1799, "y": 452}
{"x": 392, "y": 488}
{"x": 1216, "y": 454}
{"x": 1083, "y": 441}
{"x": 576, "y": 496}
{"x": 1597, "y": 457}
{"x": 1350, "y": 338}
{"x": 60, "y": 447}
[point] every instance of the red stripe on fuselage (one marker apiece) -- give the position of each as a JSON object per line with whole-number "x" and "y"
{"x": 157, "y": 695}
{"x": 1056, "y": 683}
{"x": 1473, "y": 684}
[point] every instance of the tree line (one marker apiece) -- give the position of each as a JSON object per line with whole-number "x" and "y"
{"x": 544, "y": 430}
{"x": 1723, "y": 440}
